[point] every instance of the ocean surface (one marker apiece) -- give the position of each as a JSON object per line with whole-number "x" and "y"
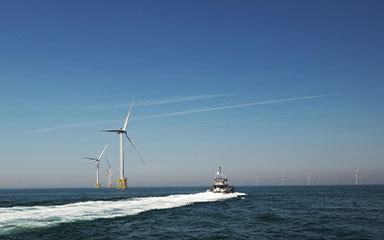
{"x": 264, "y": 212}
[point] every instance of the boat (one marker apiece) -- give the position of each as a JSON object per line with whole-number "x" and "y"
{"x": 220, "y": 185}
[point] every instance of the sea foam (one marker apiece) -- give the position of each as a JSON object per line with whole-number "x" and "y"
{"x": 41, "y": 216}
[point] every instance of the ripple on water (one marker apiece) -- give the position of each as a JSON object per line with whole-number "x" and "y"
{"x": 270, "y": 217}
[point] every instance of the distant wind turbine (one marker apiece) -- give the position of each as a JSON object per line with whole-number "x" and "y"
{"x": 282, "y": 178}
{"x": 257, "y": 181}
{"x": 309, "y": 178}
{"x": 97, "y": 185}
{"x": 356, "y": 176}
{"x": 109, "y": 172}
{"x": 122, "y": 182}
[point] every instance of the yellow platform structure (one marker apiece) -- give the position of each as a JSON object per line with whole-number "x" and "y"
{"x": 109, "y": 185}
{"x": 121, "y": 183}
{"x": 97, "y": 185}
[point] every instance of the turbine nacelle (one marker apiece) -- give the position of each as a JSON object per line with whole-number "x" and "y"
{"x": 117, "y": 131}
{"x": 99, "y": 157}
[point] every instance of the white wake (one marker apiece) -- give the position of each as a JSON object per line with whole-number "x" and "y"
{"x": 41, "y": 216}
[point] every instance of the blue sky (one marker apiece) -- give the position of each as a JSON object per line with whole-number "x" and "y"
{"x": 258, "y": 87}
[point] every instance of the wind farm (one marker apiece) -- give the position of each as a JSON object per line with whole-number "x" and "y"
{"x": 115, "y": 116}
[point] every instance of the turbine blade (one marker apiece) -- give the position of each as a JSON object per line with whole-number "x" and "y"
{"x": 108, "y": 164}
{"x": 101, "y": 154}
{"x": 109, "y": 130}
{"x": 129, "y": 113}
{"x": 135, "y": 148}
{"x": 89, "y": 158}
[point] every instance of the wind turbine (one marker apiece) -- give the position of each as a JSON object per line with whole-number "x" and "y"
{"x": 282, "y": 178}
{"x": 309, "y": 178}
{"x": 356, "y": 176}
{"x": 257, "y": 181}
{"x": 122, "y": 182}
{"x": 97, "y": 185}
{"x": 109, "y": 172}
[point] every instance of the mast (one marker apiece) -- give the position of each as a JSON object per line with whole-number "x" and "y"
{"x": 121, "y": 157}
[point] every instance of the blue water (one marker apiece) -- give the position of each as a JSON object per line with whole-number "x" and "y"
{"x": 297, "y": 212}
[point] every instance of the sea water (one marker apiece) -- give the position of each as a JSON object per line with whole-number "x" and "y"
{"x": 274, "y": 212}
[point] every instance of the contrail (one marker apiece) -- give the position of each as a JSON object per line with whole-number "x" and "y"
{"x": 182, "y": 99}
{"x": 233, "y": 106}
{"x": 166, "y": 101}
{"x": 344, "y": 134}
{"x": 53, "y": 128}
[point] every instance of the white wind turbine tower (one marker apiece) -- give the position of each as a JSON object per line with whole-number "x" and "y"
{"x": 356, "y": 176}
{"x": 97, "y": 185}
{"x": 109, "y": 172}
{"x": 122, "y": 182}
{"x": 257, "y": 181}
{"x": 309, "y": 178}
{"x": 282, "y": 178}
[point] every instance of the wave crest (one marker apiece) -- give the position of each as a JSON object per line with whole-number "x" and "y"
{"x": 41, "y": 216}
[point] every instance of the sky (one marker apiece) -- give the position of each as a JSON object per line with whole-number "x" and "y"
{"x": 260, "y": 88}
